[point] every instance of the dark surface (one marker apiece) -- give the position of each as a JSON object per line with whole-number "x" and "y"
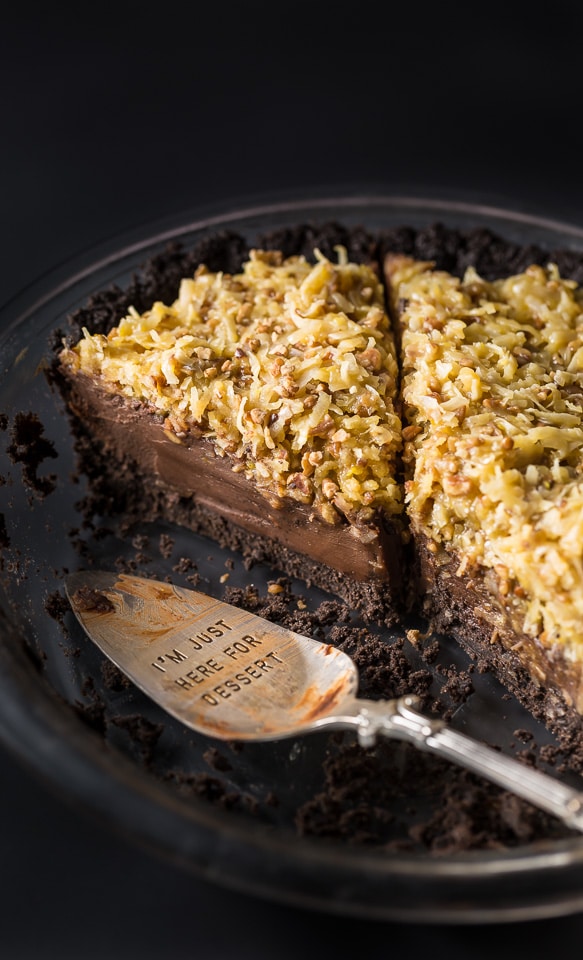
{"x": 140, "y": 110}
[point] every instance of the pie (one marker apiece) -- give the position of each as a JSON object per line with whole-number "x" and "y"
{"x": 405, "y": 432}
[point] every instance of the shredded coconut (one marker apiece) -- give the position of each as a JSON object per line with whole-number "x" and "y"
{"x": 289, "y": 368}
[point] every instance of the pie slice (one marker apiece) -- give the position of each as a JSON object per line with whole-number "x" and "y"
{"x": 258, "y": 408}
{"x": 492, "y": 389}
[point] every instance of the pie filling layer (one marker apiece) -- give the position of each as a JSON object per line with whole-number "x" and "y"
{"x": 192, "y": 469}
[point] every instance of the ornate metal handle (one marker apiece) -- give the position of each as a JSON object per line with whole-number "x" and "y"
{"x": 400, "y": 720}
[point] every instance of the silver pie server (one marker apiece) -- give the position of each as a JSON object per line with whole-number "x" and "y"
{"x": 235, "y": 676}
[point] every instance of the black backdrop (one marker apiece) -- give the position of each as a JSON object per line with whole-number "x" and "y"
{"x": 116, "y": 114}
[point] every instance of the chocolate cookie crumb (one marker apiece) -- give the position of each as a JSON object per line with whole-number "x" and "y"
{"x": 30, "y": 449}
{"x": 87, "y": 599}
{"x": 216, "y": 760}
{"x": 165, "y": 545}
{"x": 143, "y": 732}
{"x": 113, "y": 677}
{"x": 57, "y": 605}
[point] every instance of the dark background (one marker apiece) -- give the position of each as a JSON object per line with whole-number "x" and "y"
{"x": 115, "y": 115}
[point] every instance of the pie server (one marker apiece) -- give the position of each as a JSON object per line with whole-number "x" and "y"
{"x": 235, "y": 676}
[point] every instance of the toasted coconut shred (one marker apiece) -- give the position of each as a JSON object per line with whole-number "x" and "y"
{"x": 289, "y": 368}
{"x": 493, "y": 394}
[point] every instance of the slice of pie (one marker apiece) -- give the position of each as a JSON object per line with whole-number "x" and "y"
{"x": 258, "y": 408}
{"x": 492, "y": 387}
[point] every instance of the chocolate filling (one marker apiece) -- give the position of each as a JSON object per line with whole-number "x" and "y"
{"x": 188, "y": 482}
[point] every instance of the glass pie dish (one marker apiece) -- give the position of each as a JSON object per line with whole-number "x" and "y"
{"x": 242, "y": 817}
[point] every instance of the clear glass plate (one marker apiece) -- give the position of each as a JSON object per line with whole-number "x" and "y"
{"x": 229, "y": 814}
